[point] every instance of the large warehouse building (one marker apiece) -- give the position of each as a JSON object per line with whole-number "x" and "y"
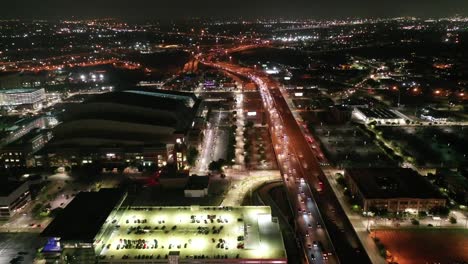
{"x": 382, "y": 116}
{"x": 109, "y": 233}
{"x": 83, "y": 222}
{"x": 131, "y": 126}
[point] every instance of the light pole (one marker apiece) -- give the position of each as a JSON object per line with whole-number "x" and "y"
{"x": 399, "y": 95}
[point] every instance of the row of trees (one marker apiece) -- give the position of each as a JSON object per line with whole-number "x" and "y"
{"x": 192, "y": 155}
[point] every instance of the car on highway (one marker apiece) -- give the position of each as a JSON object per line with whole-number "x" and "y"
{"x": 320, "y": 186}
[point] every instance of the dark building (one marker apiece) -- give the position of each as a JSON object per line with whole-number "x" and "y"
{"x": 392, "y": 189}
{"x": 145, "y": 127}
{"x": 22, "y": 80}
{"x": 20, "y": 153}
{"x": 197, "y": 186}
{"x": 75, "y": 230}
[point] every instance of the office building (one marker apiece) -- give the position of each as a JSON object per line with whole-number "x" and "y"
{"x": 29, "y": 98}
{"x": 13, "y": 196}
{"x": 392, "y": 190}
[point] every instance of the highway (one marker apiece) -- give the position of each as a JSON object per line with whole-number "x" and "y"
{"x": 344, "y": 239}
{"x": 312, "y": 200}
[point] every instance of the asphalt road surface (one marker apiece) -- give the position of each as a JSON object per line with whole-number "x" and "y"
{"x": 343, "y": 237}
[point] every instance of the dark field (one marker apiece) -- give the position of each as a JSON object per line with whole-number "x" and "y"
{"x": 426, "y": 246}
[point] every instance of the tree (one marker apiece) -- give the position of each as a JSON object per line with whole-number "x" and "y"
{"x": 453, "y": 220}
{"x": 246, "y": 159}
{"x": 247, "y": 145}
{"x": 422, "y": 214}
{"x": 341, "y": 181}
{"x": 192, "y": 155}
{"x": 217, "y": 165}
{"x": 36, "y": 210}
{"x": 440, "y": 210}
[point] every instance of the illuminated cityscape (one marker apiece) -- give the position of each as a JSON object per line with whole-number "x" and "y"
{"x": 193, "y": 135}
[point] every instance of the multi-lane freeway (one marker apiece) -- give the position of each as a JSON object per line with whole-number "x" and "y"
{"x": 342, "y": 234}
{"x": 322, "y": 226}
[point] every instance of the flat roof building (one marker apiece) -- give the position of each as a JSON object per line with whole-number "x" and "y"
{"x": 85, "y": 219}
{"x": 433, "y": 115}
{"x": 190, "y": 234}
{"x": 195, "y": 234}
{"x": 32, "y": 97}
{"x": 379, "y": 115}
{"x": 20, "y": 153}
{"x": 392, "y": 189}
{"x": 13, "y": 195}
{"x": 197, "y": 186}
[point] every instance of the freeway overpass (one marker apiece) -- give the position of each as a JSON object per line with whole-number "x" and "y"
{"x": 298, "y": 163}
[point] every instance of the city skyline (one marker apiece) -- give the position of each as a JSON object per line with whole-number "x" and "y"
{"x": 233, "y": 139}
{"x": 144, "y": 9}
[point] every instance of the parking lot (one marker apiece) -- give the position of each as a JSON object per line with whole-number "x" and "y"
{"x": 430, "y": 146}
{"x": 196, "y": 232}
{"x": 19, "y": 247}
{"x": 347, "y": 145}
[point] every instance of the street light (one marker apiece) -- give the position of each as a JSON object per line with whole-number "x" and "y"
{"x": 399, "y": 95}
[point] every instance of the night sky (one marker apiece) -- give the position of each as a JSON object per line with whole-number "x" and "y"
{"x": 159, "y": 9}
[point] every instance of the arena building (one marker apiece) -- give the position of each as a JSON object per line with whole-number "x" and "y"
{"x": 126, "y": 127}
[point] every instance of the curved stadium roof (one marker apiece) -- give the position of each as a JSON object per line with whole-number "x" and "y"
{"x": 125, "y": 118}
